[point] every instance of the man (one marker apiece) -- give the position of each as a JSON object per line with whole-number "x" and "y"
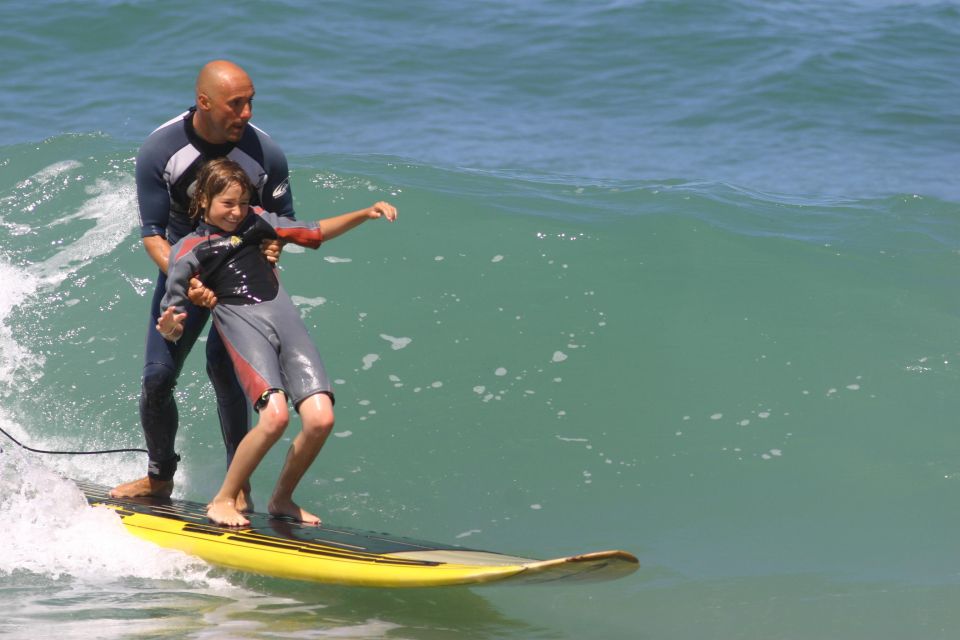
{"x": 166, "y": 168}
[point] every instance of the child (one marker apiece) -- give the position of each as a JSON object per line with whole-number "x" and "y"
{"x": 267, "y": 341}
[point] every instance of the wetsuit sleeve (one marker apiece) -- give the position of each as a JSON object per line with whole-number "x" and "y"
{"x": 305, "y": 234}
{"x": 277, "y": 196}
{"x": 153, "y": 198}
{"x": 183, "y": 265}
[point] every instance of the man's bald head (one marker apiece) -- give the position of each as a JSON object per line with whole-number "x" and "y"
{"x": 220, "y": 74}
{"x": 224, "y": 102}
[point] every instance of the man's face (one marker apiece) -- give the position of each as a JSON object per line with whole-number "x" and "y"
{"x": 229, "y": 107}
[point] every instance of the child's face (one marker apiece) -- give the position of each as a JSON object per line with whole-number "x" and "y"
{"x": 228, "y": 208}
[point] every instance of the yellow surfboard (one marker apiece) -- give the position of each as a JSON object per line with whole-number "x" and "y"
{"x": 339, "y": 555}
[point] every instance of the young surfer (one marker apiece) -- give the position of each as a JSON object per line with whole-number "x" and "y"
{"x": 272, "y": 352}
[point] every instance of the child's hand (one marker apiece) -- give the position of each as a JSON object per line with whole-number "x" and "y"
{"x": 170, "y": 324}
{"x": 384, "y": 209}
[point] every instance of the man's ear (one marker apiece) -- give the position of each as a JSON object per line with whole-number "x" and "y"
{"x": 203, "y": 101}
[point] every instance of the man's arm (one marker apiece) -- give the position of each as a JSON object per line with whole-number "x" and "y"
{"x": 159, "y": 250}
{"x": 153, "y": 201}
{"x": 277, "y": 196}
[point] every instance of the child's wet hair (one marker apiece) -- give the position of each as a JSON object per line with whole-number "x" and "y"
{"x": 214, "y": 178}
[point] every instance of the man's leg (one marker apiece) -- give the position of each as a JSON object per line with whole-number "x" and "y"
{"x": 158, "y": 409}
{"x": 232, "y": 404}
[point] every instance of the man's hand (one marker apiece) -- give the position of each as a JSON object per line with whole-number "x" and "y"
{"x": 271, "y": 248}
{"x": 200, "y": 295}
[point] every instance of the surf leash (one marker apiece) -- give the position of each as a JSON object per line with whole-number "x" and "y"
{"x": 70, "y": 453}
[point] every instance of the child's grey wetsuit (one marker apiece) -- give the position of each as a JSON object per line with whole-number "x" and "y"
{"x": 254, "y": 314}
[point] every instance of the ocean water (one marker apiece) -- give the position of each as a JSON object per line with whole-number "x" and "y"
{"x": 676, "y": 277}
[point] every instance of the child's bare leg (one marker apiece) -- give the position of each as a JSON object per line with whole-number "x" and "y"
{"x": 316, "y": 412}
{"x": 273, "y": 420}
{"x": 244, "y": 499}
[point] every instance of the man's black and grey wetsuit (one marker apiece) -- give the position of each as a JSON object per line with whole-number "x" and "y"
{"x": 267, "y": 340}
{"x": 167, "y": 165}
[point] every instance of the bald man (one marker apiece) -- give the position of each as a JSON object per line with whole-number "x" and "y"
{"x": 167, "y": 165}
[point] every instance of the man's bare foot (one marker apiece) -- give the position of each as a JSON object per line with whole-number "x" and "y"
{"x": 142, "y": 488}
{"x": 291, "y": 509}
{"x": 244, "y": 501}
{"x": 224, "y": 512}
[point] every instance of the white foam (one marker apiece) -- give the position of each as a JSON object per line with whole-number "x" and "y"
{"x": 16, "y": 361}
{"x": 50, "y": 530}
{"x": 302, "y": 301}
{"x": 113, "y": 207}
{"x": 369, "y": 360}
{"x": 396, "y": 343}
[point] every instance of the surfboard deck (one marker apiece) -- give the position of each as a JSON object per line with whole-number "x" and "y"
{"x": 340, "y": 555}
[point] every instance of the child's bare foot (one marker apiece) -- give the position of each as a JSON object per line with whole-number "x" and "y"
{"x": 291, "y": 509}
{"x": 142, "y": 488}
{"x": 224, "y": 512}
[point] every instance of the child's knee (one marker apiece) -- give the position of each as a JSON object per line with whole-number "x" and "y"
{"x": 274, "y": 417}
{"x": 316, "y": 412}
{"x": 320, "y": 425}
{"x": 274, "y": 426}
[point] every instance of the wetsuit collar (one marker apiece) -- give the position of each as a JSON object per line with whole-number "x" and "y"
{"x": 207, "y": 229}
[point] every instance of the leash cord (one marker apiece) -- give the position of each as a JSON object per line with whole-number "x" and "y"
{"x": 70, "y": 453}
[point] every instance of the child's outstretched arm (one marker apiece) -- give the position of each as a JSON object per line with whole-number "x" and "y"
{"x": 338, "y": 225}
{"x": 170, "y": 324}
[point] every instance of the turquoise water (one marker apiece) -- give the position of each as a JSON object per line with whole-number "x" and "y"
{"x": 672, "y": 277}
